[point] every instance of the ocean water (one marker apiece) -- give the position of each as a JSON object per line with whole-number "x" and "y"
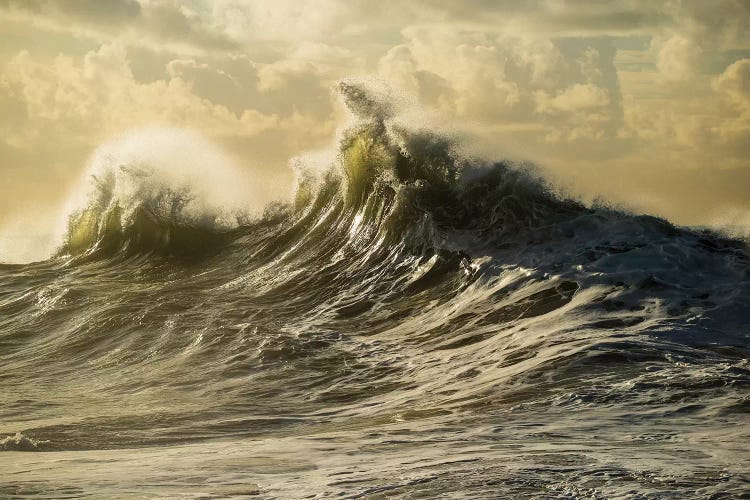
{"x": 414, "y": 324}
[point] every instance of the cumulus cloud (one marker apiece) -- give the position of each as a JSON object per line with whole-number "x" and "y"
{"x": 734, "y": 82}
{"x": 576, "y": 98}
{"x": 679, "y": 58}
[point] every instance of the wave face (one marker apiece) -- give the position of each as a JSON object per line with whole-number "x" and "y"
{"x": 414, "y": 322}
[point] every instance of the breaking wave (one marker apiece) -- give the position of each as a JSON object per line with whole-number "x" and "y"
{"x": 157, "y": 189}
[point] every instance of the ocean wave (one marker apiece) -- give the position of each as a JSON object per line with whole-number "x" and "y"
{"x": 408, "y": 299}
{"x": 157, "y": 190}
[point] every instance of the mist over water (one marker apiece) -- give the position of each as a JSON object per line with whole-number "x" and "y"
{"x": 413, "y": 322}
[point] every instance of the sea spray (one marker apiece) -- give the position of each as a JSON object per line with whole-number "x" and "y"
{"x": 151, "y": 181}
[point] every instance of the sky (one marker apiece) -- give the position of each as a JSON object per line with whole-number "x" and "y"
{"x": 641, "y": 104}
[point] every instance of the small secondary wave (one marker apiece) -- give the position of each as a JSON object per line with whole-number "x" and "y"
{"x": 157, "y": 189}
{"x": 20, "y": 442}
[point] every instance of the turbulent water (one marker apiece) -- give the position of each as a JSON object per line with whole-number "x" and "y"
{"x": 414, "y": 324}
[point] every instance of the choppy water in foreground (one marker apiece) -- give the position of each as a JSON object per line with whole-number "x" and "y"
{"x": 413, "y": 325}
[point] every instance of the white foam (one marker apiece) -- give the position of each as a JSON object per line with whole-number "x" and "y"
{"x": 172, "y": 169}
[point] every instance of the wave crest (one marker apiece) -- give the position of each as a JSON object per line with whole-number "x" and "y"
{"x": 157, "y": 190}
{"x": 398, "y": 179}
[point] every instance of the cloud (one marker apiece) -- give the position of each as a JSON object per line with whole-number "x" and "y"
{"x": 734, "y": 82}
{"x": 158, "y": 24}
{"x": 399, "y": 67}
{"x": 319, "y": 61}
{"x": 553, "y": 18}
{"x": 576, "y": 98}
{"x": 113, "y": 12}
{"x": 171, "y": 21}
{"x": 733, "y": 87}
{"x": 281, "y": 20}
{"x": 543, "y": 93}
{"x": 679, "y": 59}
